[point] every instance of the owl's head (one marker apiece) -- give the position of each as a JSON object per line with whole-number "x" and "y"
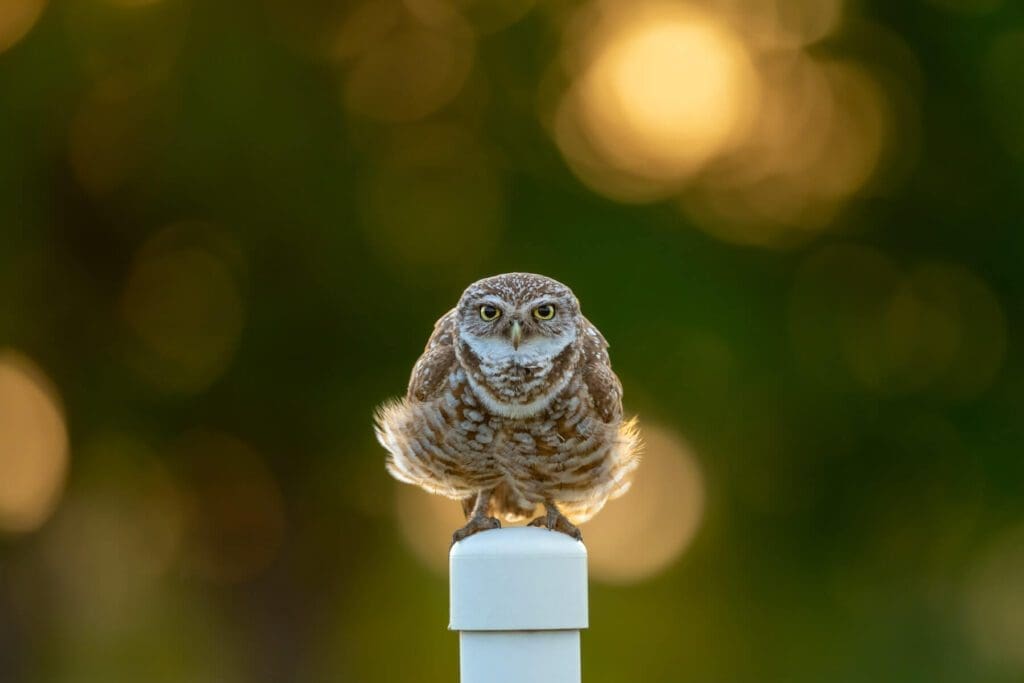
{"x": 518, "y": 314}
{"x": 518, "y": 337}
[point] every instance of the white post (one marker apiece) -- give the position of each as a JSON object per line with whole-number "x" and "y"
{"x": 518, "y": 601}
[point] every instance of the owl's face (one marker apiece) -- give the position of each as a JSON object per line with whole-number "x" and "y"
{"x": 517, "y": 338}
{"x": 518, "y": 315}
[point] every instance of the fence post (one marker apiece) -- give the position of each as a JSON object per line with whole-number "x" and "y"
{"x": 518, "y": 601}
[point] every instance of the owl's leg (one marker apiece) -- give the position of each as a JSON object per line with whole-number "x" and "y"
{"x": 478, "y": 519}
{"x": 556, "y": 521}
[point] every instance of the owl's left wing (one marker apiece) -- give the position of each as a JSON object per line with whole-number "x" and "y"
{"x": 432, "y": 369}
{"x": 601, "y": 381}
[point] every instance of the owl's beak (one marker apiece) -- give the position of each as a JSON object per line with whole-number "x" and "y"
{"x": 517, "y": 334}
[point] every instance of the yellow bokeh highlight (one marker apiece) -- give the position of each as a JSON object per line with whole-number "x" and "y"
{"x": 663, "y": 88}
{"x": 725, "y": 107}
{"x": 634, "y": 537}
{"x": 782, "y": 24}
{"x": 183, "y": 303}
{"x": 667, "y": 94}
{"x": 33, "y": 444}
{"x": 426, "y": 523}
{"x": 818, "y": 140}
{"x": 642, "y": 533}
{"x": 17, "y": 17}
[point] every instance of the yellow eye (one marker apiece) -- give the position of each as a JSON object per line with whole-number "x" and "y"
{"x": 544, "y": 312}
{"x": 489, "y": 312}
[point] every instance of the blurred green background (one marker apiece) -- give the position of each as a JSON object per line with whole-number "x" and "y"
{"x": 226, "y": 229}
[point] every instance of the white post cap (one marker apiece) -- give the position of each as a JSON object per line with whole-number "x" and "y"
{"x": 518, "y": 579}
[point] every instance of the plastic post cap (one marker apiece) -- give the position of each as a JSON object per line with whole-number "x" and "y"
{"x": 518, "y": 579}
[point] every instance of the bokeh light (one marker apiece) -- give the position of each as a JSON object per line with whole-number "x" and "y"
{"x": 106, "y": 571}
{"x": 118, "y": 127}
{"x": 856, "y": 314}
{"x": 640, "y": 534}
{"x": 234, "y": 511}
{"x": 413, "y": 71}
{"x": 488, "y": 16}
{"x": 426, "y": 523}
{"x": 782, "y": 24}
{"x": 725, "y": 107}
{"x": 184, "y": 304}
{"x": 994, "y": 607}
{"x": 17, "y": 17}
{"x": 333, "y": 31}
{"x": 663, "y": 88}
{"x": 106, "y": 37}
{"x": 819, "y": 141}
{"x": 667, "y": 94}
{"x": 33, "y": 444}
{"x": 957, "y": 323}
{"x": 119, "y": 532}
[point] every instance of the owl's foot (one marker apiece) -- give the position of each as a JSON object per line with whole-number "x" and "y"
{"x": 475, "y": 524}
{"x": 556, "y": 521}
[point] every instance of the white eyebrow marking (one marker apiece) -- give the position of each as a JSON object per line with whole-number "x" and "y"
{"x": 492, "y": 300}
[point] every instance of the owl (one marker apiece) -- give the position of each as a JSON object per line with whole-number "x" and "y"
{"x": 513, "y": 405}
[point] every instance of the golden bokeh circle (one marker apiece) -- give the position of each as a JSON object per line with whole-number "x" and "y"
{"x": 658, "y": 89}
{"x": 426, "y": 523}
{"x": 642, "y": 533}
{"x": 33, "y": 444}
{"x": 17, "y": 17}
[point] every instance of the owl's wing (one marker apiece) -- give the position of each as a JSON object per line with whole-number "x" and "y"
{"x": 432, "y": 369}
{"x": 601, "y": 381}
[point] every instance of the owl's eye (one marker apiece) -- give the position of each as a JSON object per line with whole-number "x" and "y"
{"x": 544, "y": 312}
{"x": 489, "y": 312}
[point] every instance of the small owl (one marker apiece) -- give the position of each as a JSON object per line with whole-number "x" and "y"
{"x": 513, "y": 404}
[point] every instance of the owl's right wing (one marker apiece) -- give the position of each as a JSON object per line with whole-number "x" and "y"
{"x": 602, "y": 382}
{"x": 437, "y": 362}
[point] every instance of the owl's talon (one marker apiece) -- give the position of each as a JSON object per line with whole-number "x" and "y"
{"x": 556, "y": 521}
{"x": 475, "y": 525}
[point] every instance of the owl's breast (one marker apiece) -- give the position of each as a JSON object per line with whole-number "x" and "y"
{"x": 565, "y": 423}
{"x": 519, "y": 386}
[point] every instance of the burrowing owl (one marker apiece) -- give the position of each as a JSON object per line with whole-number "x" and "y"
{"x": 513, "y": 404}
